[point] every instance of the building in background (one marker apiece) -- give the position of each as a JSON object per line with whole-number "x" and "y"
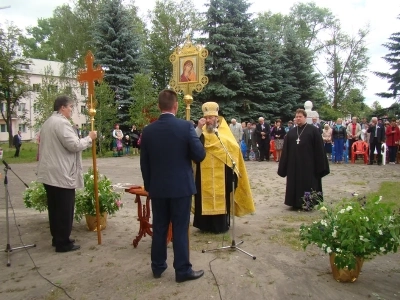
{"x": 37, "y": 70}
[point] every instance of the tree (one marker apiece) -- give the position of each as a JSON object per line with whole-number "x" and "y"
{"x": 118, "y": 51}
{"x": 145, "y": 109}
{"x": 238, "y": 65}
{"x": 106, "y": 116}
{"x": 393, "y": 59}
{"x": 346, "y": 60}
{"x": 13, "y": 79}
{"x": 171, "y": 22}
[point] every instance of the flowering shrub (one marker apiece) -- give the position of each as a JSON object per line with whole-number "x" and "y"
{"x": 35, "y": 196}
{"x": 354, "y": 228}
{"x": 109, "y": 199}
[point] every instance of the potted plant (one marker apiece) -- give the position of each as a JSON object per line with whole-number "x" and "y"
{"x": 85, "y": 204}
{"x": 35, "y": 196}
{"x": 352, "y": 231}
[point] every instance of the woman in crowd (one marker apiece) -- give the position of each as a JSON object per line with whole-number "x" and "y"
{"x": 135, "y": 134}
{"x": 278, "y": 133}
{"x": 327, "y": 137}
{"x": 117, "y": 141}
{"x": 339, "y": 136}
{"x": 392, "y": 140}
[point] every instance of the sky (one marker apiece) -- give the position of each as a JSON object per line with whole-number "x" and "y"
{"x": 381, "y": 15}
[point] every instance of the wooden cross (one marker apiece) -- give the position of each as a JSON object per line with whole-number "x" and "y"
{"x": 90, "y": 75}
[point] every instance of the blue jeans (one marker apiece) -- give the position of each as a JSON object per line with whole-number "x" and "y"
{"x": 127, "y": 149}
{"x": 339, "y": 144}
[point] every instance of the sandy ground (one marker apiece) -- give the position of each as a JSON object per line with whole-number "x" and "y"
{"x": 116, "y": 270}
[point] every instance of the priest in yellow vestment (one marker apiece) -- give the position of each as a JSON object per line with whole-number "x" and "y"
{"x": 214, "y": 176}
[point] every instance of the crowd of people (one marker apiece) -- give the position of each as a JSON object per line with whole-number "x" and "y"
{"x": 338, "y": 138}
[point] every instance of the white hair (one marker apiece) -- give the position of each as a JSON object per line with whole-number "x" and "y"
{"x": 260, "y": 119}
{"x": 233, "y": 120}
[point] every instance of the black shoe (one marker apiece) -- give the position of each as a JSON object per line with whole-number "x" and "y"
{"x": 70, "y": 240}
{"x": 68, "y": 248}
{"x": 156, "y": 275}
{"x": 191, "y": 276}
{"x": 370, "y": 164}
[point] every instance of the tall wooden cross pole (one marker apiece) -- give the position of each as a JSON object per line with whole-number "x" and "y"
{"x": 90, "y": 75}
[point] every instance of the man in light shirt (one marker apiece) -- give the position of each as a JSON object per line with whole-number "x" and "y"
{"x": 237, "y": 130}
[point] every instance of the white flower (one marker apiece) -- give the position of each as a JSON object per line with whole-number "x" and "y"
{"x": 382, "y": 249}
{"x": 361, "y": 237}
{"x": 366, "y": 219}
{"x": 342, "y": 211}
{"x": 380, "y": 232}
{"x": 379, "y": 200}
{"x": 315, "y": 222}
{"x": 323, "y": 246}
{"x": 334, "y": 233}
{"x": 348, "y": 208}
{"x": 392, "y": 239}
{"x": 91, "y": 177}
{"x": 323, "y": 208}
{"x": 328, "y": 250}
{"x": 338, "y": 250}
{"x": 323, "y": 222}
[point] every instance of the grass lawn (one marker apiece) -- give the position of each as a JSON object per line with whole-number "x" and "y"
{"x": 28, "y": 153}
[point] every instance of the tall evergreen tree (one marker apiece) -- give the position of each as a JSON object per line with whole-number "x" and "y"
{"x": 118, "y": 51}
{"x": 238, "y": 64}
{"x": 393, "y": 59}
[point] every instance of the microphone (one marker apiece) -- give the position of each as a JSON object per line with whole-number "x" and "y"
{"x": 6, "y": 164}
{"x": 215, "y": 131}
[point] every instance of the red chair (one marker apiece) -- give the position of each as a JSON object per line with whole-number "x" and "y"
{"x": 359, "y": 148}
{"x": 272, "y": 149}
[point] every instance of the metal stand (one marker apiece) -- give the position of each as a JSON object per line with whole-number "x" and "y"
{"x": 8, "y": 247}
{"x": 233, "y": 245}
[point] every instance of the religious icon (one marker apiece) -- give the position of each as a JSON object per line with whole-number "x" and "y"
{"x": 188, "y": 66}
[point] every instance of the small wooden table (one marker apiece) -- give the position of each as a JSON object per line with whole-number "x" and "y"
{"x": 144, "y": 213}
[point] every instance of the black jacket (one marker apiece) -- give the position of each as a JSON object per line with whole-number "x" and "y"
{"x": 339, "y": 133}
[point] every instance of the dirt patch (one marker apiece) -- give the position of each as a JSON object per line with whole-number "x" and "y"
{"x": 116, "y": 270}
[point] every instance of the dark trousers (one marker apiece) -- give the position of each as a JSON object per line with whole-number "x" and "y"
{"x": 263, "y": 146}
{"x": 351, "y": 142}
{"x": 392, "y": 153}
{"x": 60, "y": 204}
{"x": 372, "y": 146}
{"x": 252, "y": 144}
{"x": 177, "y": 211}
{"x": 17, "y": 148}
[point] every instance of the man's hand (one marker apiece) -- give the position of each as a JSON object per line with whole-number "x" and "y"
{"x": 93, "y": 135}
{"x": 201, "y": 122}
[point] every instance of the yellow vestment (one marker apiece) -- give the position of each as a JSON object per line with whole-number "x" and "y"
{"x": 213, "y": 174}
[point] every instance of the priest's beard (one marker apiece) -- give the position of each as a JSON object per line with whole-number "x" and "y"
{"x": 210, "y": 127}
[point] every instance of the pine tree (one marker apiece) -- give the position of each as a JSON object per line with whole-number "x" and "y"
{"x": 118, "y": 51}
{"x": 393, "y": 59}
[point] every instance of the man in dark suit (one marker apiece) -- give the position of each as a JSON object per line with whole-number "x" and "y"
{"x": 168, "y": 147}
{"x": 263, "y": 138}
{"x": 17, "y": 142}
{"x": 377, "y": 137}
{"x": 249, "y": 138}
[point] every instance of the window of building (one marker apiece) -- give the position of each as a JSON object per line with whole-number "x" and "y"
{"x": 52, "y": 88}
{"x": 83, "y": 109}
{"x": 22, "y": 127}
{"x": 83, "y": 91}
{"x": 21, "y": 107}
{"x": 36, "y": 87}
{"x": 68, "y": 90}
{"x": 3, "y": 128}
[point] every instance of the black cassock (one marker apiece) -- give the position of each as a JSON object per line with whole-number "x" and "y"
{"x": 303, "y": 163}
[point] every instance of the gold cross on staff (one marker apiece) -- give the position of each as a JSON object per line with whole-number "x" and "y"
{"x": 90, "y": 75}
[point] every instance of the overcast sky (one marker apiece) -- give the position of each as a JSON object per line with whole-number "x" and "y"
{"x": 379, "y": 14}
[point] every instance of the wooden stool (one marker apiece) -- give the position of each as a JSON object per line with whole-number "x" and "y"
{"x": 144, "y": 212}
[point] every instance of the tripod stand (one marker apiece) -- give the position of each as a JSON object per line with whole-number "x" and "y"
{"x": 8, "y": 247}
{"x": 233, "y": 245}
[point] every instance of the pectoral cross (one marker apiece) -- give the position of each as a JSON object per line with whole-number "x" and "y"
{"x": 298, "y": 141}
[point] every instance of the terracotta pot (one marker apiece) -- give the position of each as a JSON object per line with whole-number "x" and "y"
{"x": 91, "y": 222}
{"x": 345, "y": 275}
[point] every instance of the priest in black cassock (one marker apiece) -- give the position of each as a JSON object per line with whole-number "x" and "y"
{"x": 303, "y": 161}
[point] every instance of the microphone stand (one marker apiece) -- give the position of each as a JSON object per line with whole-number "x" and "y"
{"x": 233, "y": 245}
{"x": 8, "y": 247}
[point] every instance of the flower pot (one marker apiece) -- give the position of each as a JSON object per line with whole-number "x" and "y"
{"x": 91, "y": 222}
{"x": 345, "y": 275}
